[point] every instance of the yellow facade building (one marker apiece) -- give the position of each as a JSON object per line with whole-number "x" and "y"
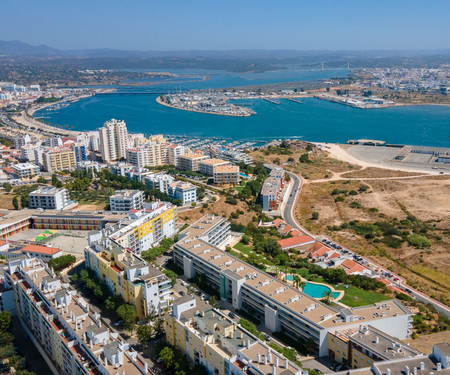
{"x": 210, "y": 339}
{"x": 59, "y": 159}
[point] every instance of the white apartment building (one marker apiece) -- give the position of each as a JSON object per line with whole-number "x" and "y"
{"x": 226, "y": 175}
{"x": 159, "y": 181}
{"x": 49, "y": 198}
{"x": 184, "y": 191}
{"x": 147, "y": 155}
{"x": 190, "y": 162}
{"x": 279, "y": 305}
{"x": 27, "y": 151}
{"x": 21, "y": 141}
{"x": 173, "y": 152}
{"x": 113, "y": 140}
{"x": 25, "y": 170}
{"x": 209, "y": 166}
{"x": 141, "y": 230}
{"x": 126, "y": 200}
{"x": 71, "y": 337}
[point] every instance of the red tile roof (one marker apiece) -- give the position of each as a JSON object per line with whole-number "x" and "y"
{"x": 295, "y": 241}
{"x": 278, "y": 222}
{"x": 348, "y": 263}
{"x": 334, "y": 255}
{"x": 354, "y": 269}
{"x": 41, "y": 249}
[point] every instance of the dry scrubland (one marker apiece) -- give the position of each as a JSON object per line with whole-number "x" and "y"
{"x": 424, "y": 201}
{"x": 219, "y": 208}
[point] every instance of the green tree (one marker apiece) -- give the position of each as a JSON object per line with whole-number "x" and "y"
{"x": 15, "y": 203}
{"x": 245, "y": 239}
{"x": 144, "y": 334}
{"x": 127, "y": 313}
{"x": 304, "y": 158}
{"x": 5, "y": 321}
{"x": 56, "y": 182}
{"x": 214, "y": 302}
{"x": 41, "y": 180}
{"x": 327, "y": 297}
{"x": 158, "y": 327}
{"x": 61, "y": 262}
{"x": 24, "y": 201}
{"x": 7, "y": 186}
{"x": 315, "y": 215}
{"x": 167, "y": 356}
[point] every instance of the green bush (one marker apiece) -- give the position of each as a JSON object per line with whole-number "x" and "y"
{"x": 418, "y": 241}
{"x": 61, "y": 262}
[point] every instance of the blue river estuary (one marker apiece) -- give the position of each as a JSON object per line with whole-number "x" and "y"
{"x": 314, "y": 120}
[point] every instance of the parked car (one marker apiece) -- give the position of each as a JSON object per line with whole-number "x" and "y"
{"x": 231, "y": 315}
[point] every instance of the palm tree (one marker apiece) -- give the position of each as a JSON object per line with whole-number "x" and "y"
{"x": 327, "y": 296}
{"x": 299, "y": 283}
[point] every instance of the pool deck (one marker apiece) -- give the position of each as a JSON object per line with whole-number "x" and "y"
{"x": 335, "y": 299}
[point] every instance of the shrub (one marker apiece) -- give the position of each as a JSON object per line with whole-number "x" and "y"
{"x": 355, "y": 205}
{"x": 418, "y": 241}
{"x": 315, "y": 215}
{"x": 363, "y": 188}
{"x": 339, "y": 199}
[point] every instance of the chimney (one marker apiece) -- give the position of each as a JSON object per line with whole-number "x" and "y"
{"x": 275, "y": 362}
{"x": 393, "y": 345}
{"x": 422, "y": 365}
{"x": 406, "y": 370}
{"x": 274, "y": 370}
{"x": 388, "y": 371}
{"x": 265, "y": 359}
{"x": 248, "y": 343}
{"x": 258, "y": 358}
{"x": 145, "y": 367}
{"x": 415, "y": 370}
{"x": 106, "y": 361}
{"x": 286, "y": 363}
{"x": 377, "y": 340}
{"x": 439, "y": 366}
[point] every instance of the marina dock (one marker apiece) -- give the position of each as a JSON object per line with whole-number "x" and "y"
{"x": 272, "y": 101}
{"x": 295, "y": 100}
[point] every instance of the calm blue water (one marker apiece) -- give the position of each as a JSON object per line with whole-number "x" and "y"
{"x": 315, "y": 120}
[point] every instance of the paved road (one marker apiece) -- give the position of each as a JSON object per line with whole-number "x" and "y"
{"x": 289, "y": 217}
{"x": 289, "y": 209}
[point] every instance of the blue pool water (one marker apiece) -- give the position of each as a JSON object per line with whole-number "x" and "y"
{"x": 243, "y": 175}
{"x": 313, "y": 290}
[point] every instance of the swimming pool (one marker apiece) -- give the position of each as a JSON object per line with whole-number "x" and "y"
{"x": 243, "y": 175}
{"x": 314, "y": 290}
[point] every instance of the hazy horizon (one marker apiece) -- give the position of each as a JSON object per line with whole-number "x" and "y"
{"x": 197, "y": 25}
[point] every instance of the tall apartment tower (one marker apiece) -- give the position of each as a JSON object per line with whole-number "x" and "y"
{"x": 113, "y": 140}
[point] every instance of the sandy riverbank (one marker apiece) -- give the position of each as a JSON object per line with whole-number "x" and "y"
{"x": 158, "y": 100}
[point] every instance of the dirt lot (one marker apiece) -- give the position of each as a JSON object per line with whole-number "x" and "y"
{"x": 90, "y": 207}
{"x": 427, "y": 198}
{"x": 372, "y": 172}
{"x": 6, "y": 201}
{"x": 320, "y": 165}
{"x": 219, "y": 208}
{"x": 425, "y": 343}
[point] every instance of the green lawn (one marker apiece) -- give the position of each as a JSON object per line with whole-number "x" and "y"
{"x": 243, "y": 248}
{"x": 364, "y": 297}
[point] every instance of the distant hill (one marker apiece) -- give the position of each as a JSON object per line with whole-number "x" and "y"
{"x": 17, "y": 48}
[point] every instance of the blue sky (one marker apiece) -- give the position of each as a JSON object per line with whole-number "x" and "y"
{"x": 228, "y": 24}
